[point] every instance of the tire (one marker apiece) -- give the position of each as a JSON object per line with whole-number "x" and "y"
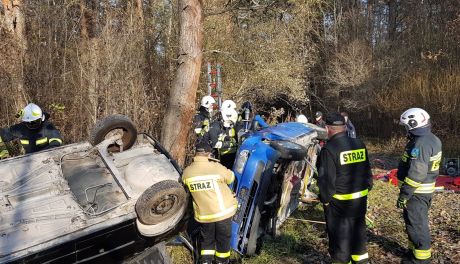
{"x": 253, "y": 240}
{"x": 289, "y": 150}
{"x": 161, "y": 202}
{"x": 111, "y": 124}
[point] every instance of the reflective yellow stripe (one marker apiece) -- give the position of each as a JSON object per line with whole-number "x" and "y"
{"x": 41, "y": 141}
{"x": 232, "y": 132}
{"x": 207, "y": 252}
{"x": 213, "y": 216}
{"x": 24, "y": 142}
{"x": 55, "y": 139}
{"x": 360, "y": 257}
{"x": 223, "y": 255}
{"x": 422, "y": 254}
{"x": 227, "y": 151}
{"x": 351, "y": 196}
{"x": 232, "y": 179}
{"x": 436, "y": 157}
{"x": 4, "y": 153}
{"x": 404, "y": 157}
{"x": 220, "y": 199}
{"x": 202, "y": 178}
{"x": 1, "y": 140}
{"x": 425, "y": 188}
{"x": 412, "y": 182}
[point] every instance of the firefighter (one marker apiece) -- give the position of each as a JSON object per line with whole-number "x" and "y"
{"x": 319, "y": 119}
{"x": 351, "y": 131}
{"x": 202, "y": 120}
{"x": 35, "y": 132}
{"x": 301, "y": 119}
{"x": 417, "y": 170}
{"x": 223, "y": 136}
{"x": 228, "y": 104}
{"x": 248, "y": 120}
{"x": 213, "y": 203}
{"x": 344, "y": 179}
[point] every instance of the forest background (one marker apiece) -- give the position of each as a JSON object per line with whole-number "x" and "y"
{"x": 85, "y": 59}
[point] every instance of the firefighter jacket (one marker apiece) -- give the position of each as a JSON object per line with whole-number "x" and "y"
{"x": 419, "y": 165}
{"x": 201, "y": 124}
{"x": 224, "y": 139}
{"x": 32, "y": 140}
{"x": 208, "y": 182}
{"x": 344, "y": 175}
{"x": 320, "y": 123}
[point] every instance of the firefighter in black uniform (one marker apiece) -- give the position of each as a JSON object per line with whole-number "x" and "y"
{"x": 418, "y": 169}
{"x": 35, "y": 133}
{"x": 223, "y": 136}
{"x": 344, "y": 179}
{"x": 202, "y": 120}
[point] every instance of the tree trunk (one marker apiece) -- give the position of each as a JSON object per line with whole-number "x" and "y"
{"x": 14, "y": 21}
{"x": 391, "y": 20}
{"x": 179, "y": 115}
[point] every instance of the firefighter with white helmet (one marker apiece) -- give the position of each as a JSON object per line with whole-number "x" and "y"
{"x": 417, "y": 170}
{"x": 228, "y": 104}
{"x": 202, "y": 120}
{"x": 35, "y": 133}
{"x": 301, "y": 119}
{"x": 223, "y": 135}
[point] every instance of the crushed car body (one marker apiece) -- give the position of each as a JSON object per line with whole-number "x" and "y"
{"x": 272, "y": 168}
{"x": 88, "y": 203}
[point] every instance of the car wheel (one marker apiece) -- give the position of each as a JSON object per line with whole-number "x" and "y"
{"x": 112, "y": 125}
{"x": 161, "y": 207}
{"x": 289, "y": 150}
{"x": 254, "y": 234}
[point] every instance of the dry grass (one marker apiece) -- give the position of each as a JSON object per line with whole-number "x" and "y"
{"x": 302, "y": 242}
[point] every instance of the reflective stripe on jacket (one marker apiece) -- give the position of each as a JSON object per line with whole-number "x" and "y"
{"x": 419, "y": 165}
{"x": 33, "y": 140}
{"x": 344, "y": 175}
{"x": 208, "y": 182}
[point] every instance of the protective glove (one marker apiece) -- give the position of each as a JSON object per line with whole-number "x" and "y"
{"x": 401, "y": 203}
{"x": 218, "y": 145}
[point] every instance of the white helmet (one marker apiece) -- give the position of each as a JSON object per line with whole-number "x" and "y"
{"x": 32, "y": 112}
{"x": 228, "y": 104}
{"x": 208, "y": 102}
{"x": 229, "y": 116}
{"x": 414, "y": 118}
{"x": 301, "y": 119}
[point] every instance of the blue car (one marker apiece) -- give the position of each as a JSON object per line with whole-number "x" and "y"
{"x": 272, "y": 168}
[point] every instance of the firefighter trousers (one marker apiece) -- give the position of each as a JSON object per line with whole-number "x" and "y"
{"x": 215, "y": 241}
{"x": 347, "y": 237}
{"x": 417, "y": 228}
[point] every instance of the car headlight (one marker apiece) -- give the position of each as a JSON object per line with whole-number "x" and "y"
{"x": 241, "y": 161}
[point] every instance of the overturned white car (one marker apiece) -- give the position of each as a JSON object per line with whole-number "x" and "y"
{"x": 97, "y": 202}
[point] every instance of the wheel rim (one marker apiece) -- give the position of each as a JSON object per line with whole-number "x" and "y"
{"x": 165, "y": 205}
{"x": 124, "y": 138}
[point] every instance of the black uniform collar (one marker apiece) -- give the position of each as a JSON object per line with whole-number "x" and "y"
{"x": 339, "y": 135}
{"x": 204, "y": 111}
{"x": 421, "y": 131}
